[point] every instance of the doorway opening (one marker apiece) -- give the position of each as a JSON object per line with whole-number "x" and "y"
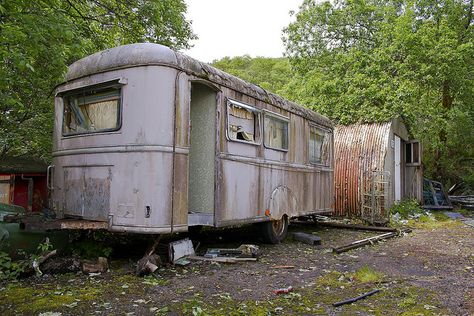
{"x": 202, "y": 154}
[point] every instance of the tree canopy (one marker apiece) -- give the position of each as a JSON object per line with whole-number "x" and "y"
{"x": 271, "y": 74}
{"x": 371, "y": 60}
{"x": 39, "y": 39}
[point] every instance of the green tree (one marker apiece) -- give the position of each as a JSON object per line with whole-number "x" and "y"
{"x": 371, "y": 60}
{"x": 40, "y": 38}
{"x": 271, "y": 74}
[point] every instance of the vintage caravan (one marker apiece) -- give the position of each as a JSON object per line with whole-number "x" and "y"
{"x": 148, "y": 140}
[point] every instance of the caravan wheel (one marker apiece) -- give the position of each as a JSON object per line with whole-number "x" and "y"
{"x": 275, "y": 231}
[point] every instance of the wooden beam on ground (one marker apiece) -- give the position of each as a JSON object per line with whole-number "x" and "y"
{"x": 221, "y": 259}
{"x": 370, "y": 240}
{"x": 357, "y": 227}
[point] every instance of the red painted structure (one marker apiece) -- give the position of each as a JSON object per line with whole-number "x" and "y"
{"x": 23, "y": 183}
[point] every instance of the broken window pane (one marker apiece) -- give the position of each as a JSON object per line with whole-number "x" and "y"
{"x": 243, "y": 122}
{"x": 276, "y": 132}
{"x": 91, "y": 111}
{"x": 319, "y": 142}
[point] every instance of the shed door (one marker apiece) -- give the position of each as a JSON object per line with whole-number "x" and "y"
{"x": 398, "y": 174}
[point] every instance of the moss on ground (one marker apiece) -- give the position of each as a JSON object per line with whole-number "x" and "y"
{"x": 72, "y": 294}
{"x": 438, "y": 221}
{"x": 316, "y": 299}
{"x": 393, "y": 298}
{"x": 22, "y": 299}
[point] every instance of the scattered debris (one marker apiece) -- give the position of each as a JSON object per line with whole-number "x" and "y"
{"x": 307, "y": 238}
{"x": 434, "y": 196}
{"x": 221, "y": 259}
{"x": 182, "y": 262}
{"x": 283, "y": 290}
{"x": 250, "y": 251}
{"x": 150, "y": 262}
{"x": 397, "y": 218}
{"x": 370, "y": 240}
{"x": 464, "y": 201}
{"x": 469, "y": 222}
{"x": 462, "y": 194}
{"x": 180, "y": 248}
{"x": 100, "y": 266}
{"x": 357, "y": 227}
{"x": 244, "y": 251}
{"x": 352, "y": 300}
{"x": 38, "y": 261}
{"x": 61, "y": 265}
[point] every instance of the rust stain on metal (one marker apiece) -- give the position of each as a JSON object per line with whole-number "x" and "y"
{"x": 358, "y": 148}
{"x": 78, "y": 224}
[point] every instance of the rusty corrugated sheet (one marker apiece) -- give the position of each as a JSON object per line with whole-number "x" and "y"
{"x": 357, "y": 148}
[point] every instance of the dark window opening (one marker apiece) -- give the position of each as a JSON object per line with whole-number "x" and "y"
{"x": 413, "y": 153}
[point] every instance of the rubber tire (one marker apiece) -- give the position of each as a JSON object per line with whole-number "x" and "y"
{"x": 274, "y": 232}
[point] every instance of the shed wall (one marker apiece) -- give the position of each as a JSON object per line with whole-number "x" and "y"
{"x": 358, "y": 148}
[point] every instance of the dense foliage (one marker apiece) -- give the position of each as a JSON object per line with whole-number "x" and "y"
{"x": 353, "y": 60}
{"x": 38, "y": 39}
{"x": 271, "y": 74}
{"x": 371, "y": 60}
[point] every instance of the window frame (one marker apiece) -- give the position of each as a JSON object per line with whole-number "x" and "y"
{"x": 113, "y": 84}
{"x": 411, "y": 143}
{"x": 258, "y": 128}
{"x": 281, "y": 118}
{"x": 326, "y": 131}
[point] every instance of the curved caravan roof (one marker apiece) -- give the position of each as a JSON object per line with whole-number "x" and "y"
{"x": 144, "y": 54}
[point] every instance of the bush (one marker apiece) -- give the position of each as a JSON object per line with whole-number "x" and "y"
{"x": 9, "y": 269}
{"x": 405, "y": 208}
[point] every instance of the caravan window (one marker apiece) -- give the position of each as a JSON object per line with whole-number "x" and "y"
{"x": 319, "y": 142}
{"x": 90, "y": 111}
{"x": 276, "y": 132}
{"x": 243, "y": 122}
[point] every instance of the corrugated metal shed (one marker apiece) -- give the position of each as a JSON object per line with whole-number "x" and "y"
{"x": 358, "y": 148}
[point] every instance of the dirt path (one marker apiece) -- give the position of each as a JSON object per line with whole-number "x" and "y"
{"x": 428, "y": 272}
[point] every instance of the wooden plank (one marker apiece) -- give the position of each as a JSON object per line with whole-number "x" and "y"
{"x": 370, "y": 240}
{"x": 357, "y": 227}
{"x": 221, "y": 259}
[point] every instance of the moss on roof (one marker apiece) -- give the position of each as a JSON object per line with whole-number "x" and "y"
{"x": 22, "y": 165}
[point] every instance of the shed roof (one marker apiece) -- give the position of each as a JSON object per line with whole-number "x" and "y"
{"x": 22, "y": 165}
{"x": 143, "y": 54}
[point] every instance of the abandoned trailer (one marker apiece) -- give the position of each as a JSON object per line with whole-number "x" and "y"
{"x": 376, "y": 165}
{"x": 148, "y": 140}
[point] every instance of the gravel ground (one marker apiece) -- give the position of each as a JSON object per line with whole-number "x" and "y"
{"x": 427, "y": 272}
